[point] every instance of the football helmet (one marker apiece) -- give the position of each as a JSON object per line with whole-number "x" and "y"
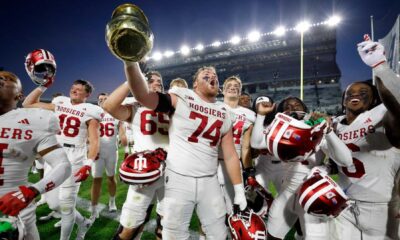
{"x": 258, "y": 199}
{"x": 290, "y": 139}
{"x": 247, "y": 225}
{"x": 40, "y": 66}
{"x": 319, "y": 195}
{"x": 11, "y": 228}
{"x": 143, "y": 168}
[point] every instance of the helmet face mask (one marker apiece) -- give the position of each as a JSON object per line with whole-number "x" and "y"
{"x": 40, "y": 66}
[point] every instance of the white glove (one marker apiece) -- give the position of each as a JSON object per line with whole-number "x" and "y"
{"x": 372, "y": 53}
{"x": 240, "y": 198}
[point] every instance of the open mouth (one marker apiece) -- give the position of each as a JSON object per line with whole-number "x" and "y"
{"x": 354, "y": 100}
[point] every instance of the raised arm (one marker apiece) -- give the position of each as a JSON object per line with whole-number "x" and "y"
{"x": 138, "y": 85}
{"x": 388, "y": 84}
{"x": 33, "y": 100}
{"x": 113, "y": 104}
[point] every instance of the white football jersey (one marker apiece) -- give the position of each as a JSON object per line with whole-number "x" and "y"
{"x": 23, "y": 133}
{"x": 108, "y": 132}
{"x": 73, "y": 120}
{"x": 195, "y": 133}
{"x": 149, "y": 129}
{"x": 243, "y": 118}
{"x": 375, "y": 160}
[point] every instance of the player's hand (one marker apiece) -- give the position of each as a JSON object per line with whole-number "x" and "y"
{"x": 372, "y": 53}
{"x": 13, "y": 202}
{"x": 321, "y": 170}
{"x": 50, "y": 81}
{"x": 240, "y": 198}
{"x": 83, "y": 173}
{"x": 265, "y": 108}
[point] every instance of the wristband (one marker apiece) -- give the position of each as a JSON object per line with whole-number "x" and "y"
{"x": 88, "y": 162}
{"x": 42, "y": 88}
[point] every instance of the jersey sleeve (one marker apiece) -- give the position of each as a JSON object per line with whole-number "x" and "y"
{"x": 94, "y": 112}
{"x": 48, "y": 138}
{"x": 181, "y": 93}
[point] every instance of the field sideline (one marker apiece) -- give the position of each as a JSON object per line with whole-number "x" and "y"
{"x": 103, "y": 228}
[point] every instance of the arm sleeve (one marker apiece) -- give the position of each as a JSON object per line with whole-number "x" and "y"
{"x": 336, "y": 150}
{"x": 257, "y": 139}
{"x": 61, "y": 170}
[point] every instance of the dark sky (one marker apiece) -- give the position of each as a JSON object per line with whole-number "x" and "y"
{"x": 74, "y": 31}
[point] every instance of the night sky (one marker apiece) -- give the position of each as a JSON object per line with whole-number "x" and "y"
{"x": 74, "y": 31}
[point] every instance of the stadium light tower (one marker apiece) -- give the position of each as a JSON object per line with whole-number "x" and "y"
{"x": 185, "y": 50}
{"x": 302, "y": 27}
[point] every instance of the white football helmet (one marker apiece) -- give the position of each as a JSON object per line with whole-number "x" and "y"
{"x": 40, "y": 66}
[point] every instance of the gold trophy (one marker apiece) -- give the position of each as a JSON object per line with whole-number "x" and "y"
{"x": 128, "y": 33}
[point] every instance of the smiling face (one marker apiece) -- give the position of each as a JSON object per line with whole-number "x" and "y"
{"x": 206, "y": 82}
{"x": 232, "y": 88}
{"x": 357, "y": 98}
{"x": 292, "y": 105}
{"x": 78, "y": 93}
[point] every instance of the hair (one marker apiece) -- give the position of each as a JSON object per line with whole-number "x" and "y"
{"x": 270, "y": 117}
{"x": 282, "y": 103}
{"x": 232, "y": 78}
{"x": 102, "y": 94}
{"x": 245, "y": 94}
{"x": 200, "y": 70}
{"x": 376, "y": 100}
{"x": 178, "y": 81}
{"x": 149, "y": 74}
{"x": 88, "y": 86}
{"x": 13, "y": 76}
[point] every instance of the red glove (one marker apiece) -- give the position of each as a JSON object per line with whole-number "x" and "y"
{"x": 50, "y": 81}
{"x": 13, "y": 202}
{"x": 83, "y": 173}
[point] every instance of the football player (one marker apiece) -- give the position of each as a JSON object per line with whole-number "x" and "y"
{"x": 150, "y": 131}
{"x": 198, "y": 126}
{"x": 243, "y": 120}
{"x": 23, "y": 134}
{"x": 107, "y": 159}
{"x": 79, "y": 123}
{"x": 285, "y": 209}
{"x": 178, "y": 82}
{"x": 371, "y": 131}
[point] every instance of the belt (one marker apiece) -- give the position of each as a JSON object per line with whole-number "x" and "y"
{"x": 276, "y": 162}
{"x": 68, "y": 145}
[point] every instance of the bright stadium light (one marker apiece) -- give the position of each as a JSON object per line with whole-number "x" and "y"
{"x": 280, "y": 31}
{"x": 168, "y": 53}
{"x": 185, "y": 50}
{"x": 199, "y": 47}
{"x": 333, "y": 21}
{"x": 157, "y": 56}
{"x": 216, "y": 44}
{"x": 235, "y": 40}
{"x": 254, "y": 36}
{"x": 303, "y": 26}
